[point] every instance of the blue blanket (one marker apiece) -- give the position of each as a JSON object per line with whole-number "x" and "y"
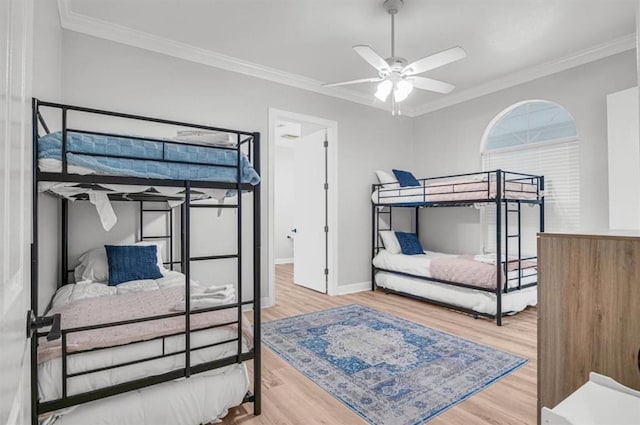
{"x": 146, "y": 158}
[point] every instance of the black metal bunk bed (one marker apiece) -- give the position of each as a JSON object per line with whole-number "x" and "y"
{"x": 250, "y": 141}
{"x": 496, "y": 191}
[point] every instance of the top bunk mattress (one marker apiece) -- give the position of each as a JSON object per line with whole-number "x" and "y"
{"x": 135, "y": 157}
{"x": 452, "y": 191}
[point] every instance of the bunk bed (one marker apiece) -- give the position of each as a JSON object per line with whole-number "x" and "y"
{"x": 124, "y": 352}
{"x": 493, "y": 285}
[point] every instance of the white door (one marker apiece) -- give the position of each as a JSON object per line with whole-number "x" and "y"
{"x": 16, "y": 17}
{"x": 309, "y": 243}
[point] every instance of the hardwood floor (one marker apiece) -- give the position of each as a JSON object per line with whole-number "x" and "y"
{"x": 290, "y": 398}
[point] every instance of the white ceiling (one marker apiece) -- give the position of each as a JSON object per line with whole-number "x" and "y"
{"x": 313, "y": 38}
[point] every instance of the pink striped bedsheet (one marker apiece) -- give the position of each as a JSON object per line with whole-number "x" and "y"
{"x": 458, "y": 190}
{"x": 464, "y": 269}
{"x": 136, "y": 305}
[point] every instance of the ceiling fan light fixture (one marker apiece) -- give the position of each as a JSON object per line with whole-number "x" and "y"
{"x": 396, "y": 74}
{"x": 402, "y": 90}
{"x": 384, "y": 89}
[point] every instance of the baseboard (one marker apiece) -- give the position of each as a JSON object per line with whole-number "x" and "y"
{"x": 283, "y": 260}
{"x": 352, "y": 288}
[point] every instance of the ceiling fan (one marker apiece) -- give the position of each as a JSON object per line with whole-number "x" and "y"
{"x": 396, "y": 74}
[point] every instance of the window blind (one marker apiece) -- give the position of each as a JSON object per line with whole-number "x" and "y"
{"x": 559, "y": 163}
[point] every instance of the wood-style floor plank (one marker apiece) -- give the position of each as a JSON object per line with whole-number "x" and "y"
{"x": 290, "y": 398}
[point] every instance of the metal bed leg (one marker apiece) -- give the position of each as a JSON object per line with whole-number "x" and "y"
{"x": 374, "y": 237}
{"x": 257, "y": 355}
{"x": 499, "y": 192}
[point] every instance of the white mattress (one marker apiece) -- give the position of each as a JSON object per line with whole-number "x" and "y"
{"x": 99, "y": 197}
{"x": 68, "y": 190}
{"x": 418, "y": 265}
{"x": 480, "y": 301}
{"x": 201, "y": 399}
{"x": 49, "y": 372}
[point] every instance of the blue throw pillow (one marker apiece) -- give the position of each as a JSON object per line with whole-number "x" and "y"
{"x": 409, "y": 243}
{"x": 132, "y": 262}
{"x": 405, "y": 178}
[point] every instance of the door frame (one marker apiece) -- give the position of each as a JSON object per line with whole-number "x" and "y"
{"x": 332, "y": 178}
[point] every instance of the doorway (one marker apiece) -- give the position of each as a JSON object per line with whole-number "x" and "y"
{"x": 302, "y": 200}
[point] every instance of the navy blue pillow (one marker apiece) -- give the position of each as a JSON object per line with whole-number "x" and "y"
{"x": 405, "y": 178}
{"x": 132, "y": 262}
{"x": 409, "y": 243}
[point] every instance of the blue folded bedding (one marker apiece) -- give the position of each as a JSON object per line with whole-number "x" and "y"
{"x": 146, "y": 158}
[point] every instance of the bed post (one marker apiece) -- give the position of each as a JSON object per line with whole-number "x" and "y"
{"x": 541, "y": 198}
{"x": 499, "y": 247}
{"x": 418, "y": 222}
{"x": 34, "y": 260}
{"x": 64, "y": 239}
{"x": 373, "y": 240}
{"x": 187, "y": 277}
{"x": 257, "y": 353}
{"x": 239, "y": 248}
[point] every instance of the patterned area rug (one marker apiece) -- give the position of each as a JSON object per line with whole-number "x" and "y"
{"x": 388, "y": 370}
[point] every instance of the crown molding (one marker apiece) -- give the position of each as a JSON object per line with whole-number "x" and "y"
{"x": 95, "y": 27}
{"x": 73, "y": 21}
{"x": 592, "y": 54}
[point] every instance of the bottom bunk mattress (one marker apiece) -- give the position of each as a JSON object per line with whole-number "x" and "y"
{"x": 471, "y": 299}
{"x": 200, "y": 399}
{"x": 99, "y": 349}
{"x": 478, "y": 271}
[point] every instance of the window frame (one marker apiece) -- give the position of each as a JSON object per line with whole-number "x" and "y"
{"x": 484, "y": 149}
{"x": 525, "y": 148}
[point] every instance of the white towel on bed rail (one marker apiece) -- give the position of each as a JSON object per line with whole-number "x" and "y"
{"x": 198, "y": 303}
{"x": 217, "y": 289}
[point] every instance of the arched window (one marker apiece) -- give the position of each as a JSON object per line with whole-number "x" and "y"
{"x": 537, "y": 137}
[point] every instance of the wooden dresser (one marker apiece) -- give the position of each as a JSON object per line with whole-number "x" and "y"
{"x": 588, "y": 312}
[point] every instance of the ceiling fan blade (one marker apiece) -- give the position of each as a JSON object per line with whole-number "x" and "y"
{"x": 432, "y": 85}
{"x": 362, "y": 80}
{"x": 435, "y": 61}
{"x": 374, "y": 59}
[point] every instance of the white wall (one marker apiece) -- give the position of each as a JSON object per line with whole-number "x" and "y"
{"x": 447, "y": 141}
{"x": 47, "y": 85}
{"x": 283, "y": 202}
{"x": 107, "y": 75}
{"x": 624, "y": 159}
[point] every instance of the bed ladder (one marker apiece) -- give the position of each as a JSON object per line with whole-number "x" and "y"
{"x": 375, "y": 236}
{"x": 381, "y": 210}
{"x": 168, "y": 210}
{"x": 517, "y": 210}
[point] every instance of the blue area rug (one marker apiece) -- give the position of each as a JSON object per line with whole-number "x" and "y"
{"x": 388, "y": 370}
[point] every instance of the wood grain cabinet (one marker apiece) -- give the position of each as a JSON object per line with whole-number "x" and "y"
{"x": 588, "y": 312}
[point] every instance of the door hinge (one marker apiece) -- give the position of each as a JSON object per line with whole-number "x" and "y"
{"x": 326, "y": 186}
{"x": 326, "y": 229}
{"x": 326, "y": 272}
{"x": 326, "y": 143}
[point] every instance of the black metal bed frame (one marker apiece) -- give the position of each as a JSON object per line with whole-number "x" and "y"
{"x": 250, "y": 140}
{"x": 498, "y": 179}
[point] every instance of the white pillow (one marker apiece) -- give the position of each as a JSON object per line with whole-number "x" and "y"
{"x": 387, "y": 180}
{"x": 205, "y": 137}
{"x": 390, "y": 241}
{"x": 94, "y": 266}
{"x": 159, "y": 247}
